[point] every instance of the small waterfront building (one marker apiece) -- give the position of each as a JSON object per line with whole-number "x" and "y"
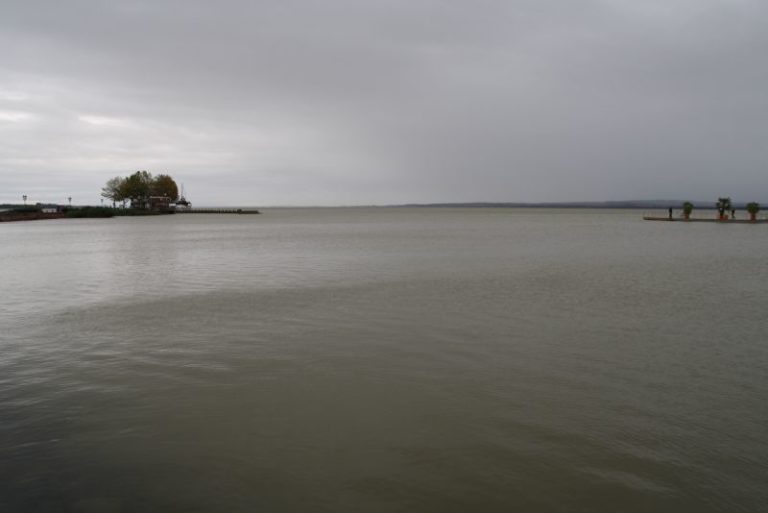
{"x": 152, "y": 203}
{"x": 50, "y": 208}
{"x": 159, "y": 203}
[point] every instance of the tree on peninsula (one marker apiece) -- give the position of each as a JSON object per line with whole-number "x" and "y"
{"x": 113, "y": 190}
{"x": 164, "y": 185}
{"x": 139, "y": 187}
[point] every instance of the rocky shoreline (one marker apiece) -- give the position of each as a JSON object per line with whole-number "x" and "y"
{"x": 11, "y": 216}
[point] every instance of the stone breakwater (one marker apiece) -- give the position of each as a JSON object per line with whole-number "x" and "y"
{"x": 218, "y": 211}
{"x": 29, "y": 216}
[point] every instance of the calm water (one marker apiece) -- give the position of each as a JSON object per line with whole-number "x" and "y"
{"x": 354, "y": 360}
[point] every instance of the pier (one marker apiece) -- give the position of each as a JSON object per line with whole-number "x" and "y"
{"x": 701, "y": 219}
{"x": 218, "y": 211}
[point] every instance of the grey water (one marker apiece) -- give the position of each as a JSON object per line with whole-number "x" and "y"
{"x": 383, "y": 359}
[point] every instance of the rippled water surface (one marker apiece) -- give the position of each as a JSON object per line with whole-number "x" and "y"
{"x": 383, "y": 360}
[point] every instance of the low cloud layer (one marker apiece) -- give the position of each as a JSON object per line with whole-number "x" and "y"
{"x": 347, "y": 102}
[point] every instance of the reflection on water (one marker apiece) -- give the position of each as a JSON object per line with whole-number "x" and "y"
{"x": 381, "y": 360}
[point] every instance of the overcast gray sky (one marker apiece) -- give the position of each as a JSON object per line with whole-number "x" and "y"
{"x": 328, "y": 102}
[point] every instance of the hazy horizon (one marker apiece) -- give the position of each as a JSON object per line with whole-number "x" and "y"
{"x": 615, "y": 204}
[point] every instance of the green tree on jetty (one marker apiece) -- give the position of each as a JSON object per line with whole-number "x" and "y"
{"x": 753, "y": 208}
{"x": 687, "y": 209}
{"x": 723, "y": 205}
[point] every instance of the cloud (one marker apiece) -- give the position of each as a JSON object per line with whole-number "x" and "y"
{"x": 105, "y": 121}
{"x": 355, "y": 102}
{"x": 14, "y": 116}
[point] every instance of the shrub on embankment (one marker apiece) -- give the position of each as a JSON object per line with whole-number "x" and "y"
{"x": 79, "y": 212}
{"x": 25, "y": 209}
{"x": 28, "y": 214}
{"x": 139, "y": 212}
{"x": 111, "y": 212}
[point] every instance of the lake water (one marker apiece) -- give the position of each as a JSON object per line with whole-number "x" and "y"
{"x": 374, "y": 360}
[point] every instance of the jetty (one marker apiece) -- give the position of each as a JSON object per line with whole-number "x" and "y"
{"x": 722, "y": 208}
{"x": 704, "y": 220}
{"x": 217, "y": 211}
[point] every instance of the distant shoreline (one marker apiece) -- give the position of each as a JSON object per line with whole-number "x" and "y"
{"x": 623, "y": 205}
{"x": 640, "y": 204}
{"x": 628, "y": 205}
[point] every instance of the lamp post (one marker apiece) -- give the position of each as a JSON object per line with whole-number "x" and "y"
{"x": 24, "y": 197}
